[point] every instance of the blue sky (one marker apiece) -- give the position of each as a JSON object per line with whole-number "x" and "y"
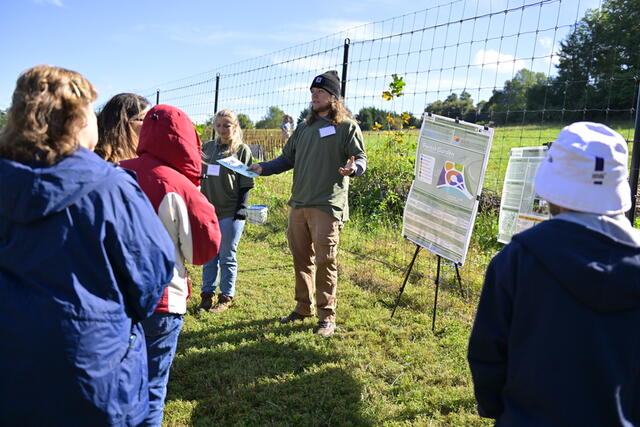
{"x": 129, "y": 45}
{"x": 123, "y": 45}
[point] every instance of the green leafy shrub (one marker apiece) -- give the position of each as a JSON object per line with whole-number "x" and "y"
{"x": 380, "y": 194}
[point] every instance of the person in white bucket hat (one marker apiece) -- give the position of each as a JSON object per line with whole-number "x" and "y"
{"x": 556, "y": 338}
{"x": 586, "y": 170}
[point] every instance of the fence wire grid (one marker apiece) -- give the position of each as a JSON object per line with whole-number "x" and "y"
{"x": 467, "y": 48}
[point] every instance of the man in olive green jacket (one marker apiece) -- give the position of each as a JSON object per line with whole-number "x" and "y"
{"x": 324, "y": 152}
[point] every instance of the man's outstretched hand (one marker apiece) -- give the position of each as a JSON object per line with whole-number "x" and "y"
{"x": 349, "y": 168}
{"x": 255, "y": 168}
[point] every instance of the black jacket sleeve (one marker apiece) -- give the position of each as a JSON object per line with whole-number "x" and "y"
{"x": 243, "y": 202}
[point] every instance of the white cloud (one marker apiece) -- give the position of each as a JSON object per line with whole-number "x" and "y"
{"x": 546, "y": 42}
{"x": 550, "y": 50}
{"x": 495, "y": 60}
{"x": 554, "y": 59}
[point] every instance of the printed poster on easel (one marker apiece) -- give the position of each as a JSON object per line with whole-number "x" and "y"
{"x": 520, "y": 207}
{"x": 451, "y": 160}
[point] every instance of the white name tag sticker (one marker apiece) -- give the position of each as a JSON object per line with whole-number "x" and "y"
{"x": 326, "y": 131}
{"x": 213, "y": 170}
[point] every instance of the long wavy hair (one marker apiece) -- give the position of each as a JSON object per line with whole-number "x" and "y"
{"x": 47, "y": 112}
{"x": 236, "y": 135}
{"x": 117, "y": 140}
{"x": 338, "y": 113}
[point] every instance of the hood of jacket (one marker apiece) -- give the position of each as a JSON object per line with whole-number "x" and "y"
{"x": 600, "y": 272}
{"x": 169, "y": 135}
{"x": 29, "y": 193}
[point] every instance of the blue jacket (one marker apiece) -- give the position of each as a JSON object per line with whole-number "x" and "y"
{"x": 556, "y": 340}
{"x": 83, "y": 258}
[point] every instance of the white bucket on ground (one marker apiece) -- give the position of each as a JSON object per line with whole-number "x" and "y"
{"x": 257, "y": 214}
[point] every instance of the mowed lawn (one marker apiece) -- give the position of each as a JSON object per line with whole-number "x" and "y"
{"x": 244, "y": 368}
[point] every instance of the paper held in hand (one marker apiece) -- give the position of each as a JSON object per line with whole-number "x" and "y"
{"x": 236, "y": 165}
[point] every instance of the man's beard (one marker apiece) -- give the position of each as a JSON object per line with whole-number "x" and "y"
{"x": 321, "y": 109}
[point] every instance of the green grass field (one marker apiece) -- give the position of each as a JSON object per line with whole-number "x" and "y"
{"x": 244, "y": 368}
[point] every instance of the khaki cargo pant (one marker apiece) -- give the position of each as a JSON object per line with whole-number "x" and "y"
{"x": 313, "y": 239}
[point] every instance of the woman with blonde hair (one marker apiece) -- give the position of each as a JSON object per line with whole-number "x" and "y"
{"x": 119, "y": 124}
{"x": 83, "y": 259}
{"x": 228, "y": 191}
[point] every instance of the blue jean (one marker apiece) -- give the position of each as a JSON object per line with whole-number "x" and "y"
{"x": 231, "y": 231}
{"x": 161, "y": 331}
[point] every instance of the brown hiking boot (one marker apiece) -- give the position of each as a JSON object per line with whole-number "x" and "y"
{"x": 326, "y": 329}
{"x": 223, "y": 304}
{"x": 206, "y": 302}
{"x": 293, "y": 317}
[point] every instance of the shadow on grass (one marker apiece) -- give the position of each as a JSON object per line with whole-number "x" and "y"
{"x": 261, "y": 373}
{"x": 265, "y": 230}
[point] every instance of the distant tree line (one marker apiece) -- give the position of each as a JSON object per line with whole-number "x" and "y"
{"x": 368, "y": 117}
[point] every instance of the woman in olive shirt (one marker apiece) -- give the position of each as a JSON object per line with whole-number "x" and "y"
{"x": 228, "y": 192}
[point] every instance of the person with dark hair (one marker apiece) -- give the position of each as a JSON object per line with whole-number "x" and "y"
{"x": 325, "y": 152}
{"x": 555, "y": 340}
{"x": 169, "y": 170}
{"x": 119, "y": 124}
{"x": 286, "y": 127}
{"x": 83, "y": 260}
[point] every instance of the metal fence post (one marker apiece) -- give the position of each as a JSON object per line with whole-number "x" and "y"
{"x": 215, "y": 107}
{"x": 215, "y": 102}
{"x": 157, "y": 96}
{"x": 345, "y": 62}
{"x": 635, "y": 162}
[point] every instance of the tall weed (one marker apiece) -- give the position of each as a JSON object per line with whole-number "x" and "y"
{"x": 380, "y": 194}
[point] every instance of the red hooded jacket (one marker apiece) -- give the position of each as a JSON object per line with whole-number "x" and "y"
{"x": 168, "y": 170}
